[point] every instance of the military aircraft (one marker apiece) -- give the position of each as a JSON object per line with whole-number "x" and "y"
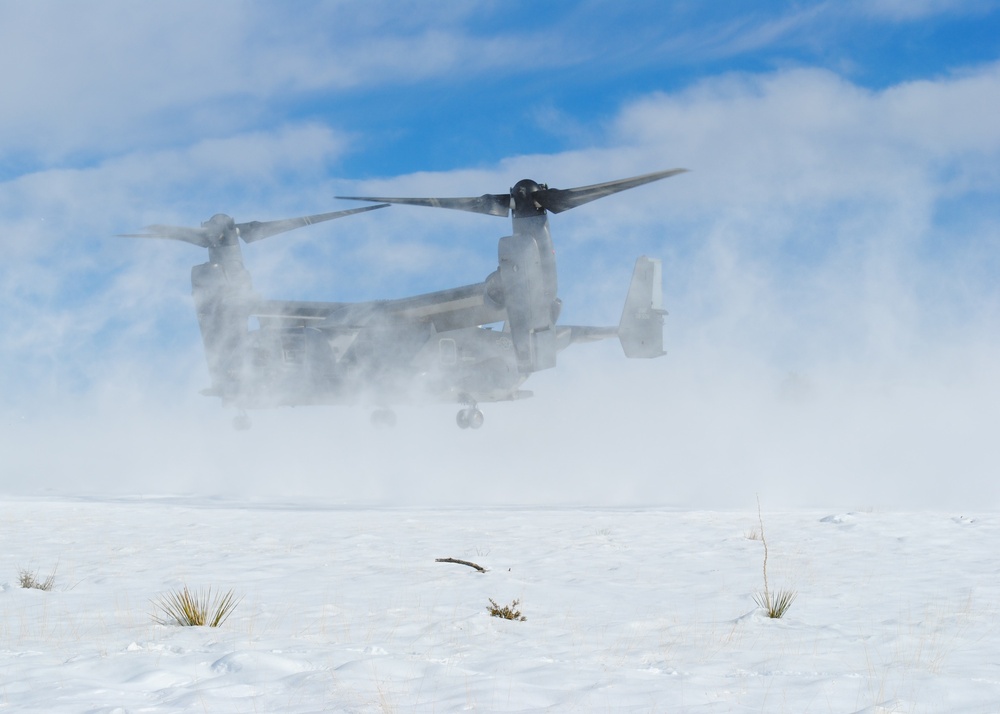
{"x": 466, "y": 345}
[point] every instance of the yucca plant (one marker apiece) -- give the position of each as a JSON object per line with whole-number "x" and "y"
{"x": 182, "y": 607}
{"x": 775, "y": 604}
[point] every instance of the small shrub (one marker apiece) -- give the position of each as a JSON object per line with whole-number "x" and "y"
{"x": 507, "y": 612}
{"x": 182, "y": 607}
{"x": 28, "y": 579}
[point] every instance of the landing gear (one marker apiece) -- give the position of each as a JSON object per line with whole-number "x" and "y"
{"x": 383, "y": 418}
{"x": 470, "y": 418}
{"x": 241, "y": 422}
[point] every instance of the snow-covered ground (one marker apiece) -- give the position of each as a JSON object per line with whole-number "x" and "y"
{"x": 345, "y": 609}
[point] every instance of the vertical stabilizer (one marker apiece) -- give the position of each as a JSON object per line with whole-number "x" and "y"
{"x": 641, "y": 328}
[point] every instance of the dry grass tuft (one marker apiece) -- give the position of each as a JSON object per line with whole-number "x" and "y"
{"x": 182, "y": 607}
{"x": 507, "y": 612}
{"x": 28, "y": 579}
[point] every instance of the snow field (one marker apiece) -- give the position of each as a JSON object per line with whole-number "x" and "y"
{"x": 345, "y": 609}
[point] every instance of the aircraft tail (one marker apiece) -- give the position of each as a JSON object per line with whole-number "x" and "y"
{"x": 641, "y": 327}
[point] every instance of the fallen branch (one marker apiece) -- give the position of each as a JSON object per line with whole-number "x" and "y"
{"x": 480, "y": 568}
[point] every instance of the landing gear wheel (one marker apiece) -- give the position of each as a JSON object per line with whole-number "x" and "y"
{"x": 383, "y": 418}
{"x": 241, "y": 422}
{"x": 470, "y": 418}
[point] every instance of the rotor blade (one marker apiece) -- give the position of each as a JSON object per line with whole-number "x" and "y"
{"x": 492, "y": 204}
{"x": 558, "y": 200}
{"x": 196, "y": 236}
{"x": 259, "y": 230}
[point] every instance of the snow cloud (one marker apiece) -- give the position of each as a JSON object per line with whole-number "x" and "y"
{"x": 829, "y": 263}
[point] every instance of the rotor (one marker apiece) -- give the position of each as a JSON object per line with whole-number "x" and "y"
{"x": 527, "y": 197}
{"x": 220, "y": 229}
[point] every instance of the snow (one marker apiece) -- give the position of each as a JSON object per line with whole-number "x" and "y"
{"x": 345, "y": 609}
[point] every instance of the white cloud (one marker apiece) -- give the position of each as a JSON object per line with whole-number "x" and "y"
{"x": 108, "y": 77}
{"x": 825, "y": 198}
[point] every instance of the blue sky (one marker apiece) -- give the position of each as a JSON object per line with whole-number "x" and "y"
{"x": 838, "y": 238}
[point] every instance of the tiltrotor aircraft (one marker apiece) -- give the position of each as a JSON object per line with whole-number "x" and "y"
{"x": 439, "y": 346}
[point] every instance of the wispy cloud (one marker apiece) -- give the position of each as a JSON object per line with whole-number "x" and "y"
{"x": 910, "y": 10}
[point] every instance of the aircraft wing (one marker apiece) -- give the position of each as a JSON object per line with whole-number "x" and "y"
{"x": 292, "y": 313}
{"x": 446, "y": 310}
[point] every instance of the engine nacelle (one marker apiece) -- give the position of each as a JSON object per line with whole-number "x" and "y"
{"x": 530, "y": 302}
{"x": 221, "y": 299}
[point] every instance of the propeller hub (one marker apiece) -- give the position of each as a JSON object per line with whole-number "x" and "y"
{"x": 524, "y": 199}
{"x": 221, "y": 229}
